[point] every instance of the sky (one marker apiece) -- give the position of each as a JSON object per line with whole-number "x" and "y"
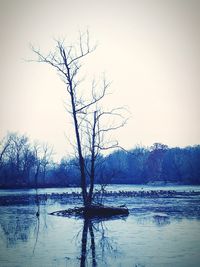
{"x": 148, "y": 49}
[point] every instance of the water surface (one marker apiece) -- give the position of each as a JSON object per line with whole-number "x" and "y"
{"x": 158, "y": 232}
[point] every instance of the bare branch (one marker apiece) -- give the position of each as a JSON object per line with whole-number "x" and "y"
{"x": 107, "y": 147}
{"x": 95, "y": 98}
{"x": 113, "y": 128}
{"x": 50, "y": 59}
{"x": 86, "y": 113}
{"x": 83, "y": 52}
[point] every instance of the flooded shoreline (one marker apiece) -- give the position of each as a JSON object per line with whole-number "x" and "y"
{"x": 113, "y": 187}
{"x": 20, "y": 199}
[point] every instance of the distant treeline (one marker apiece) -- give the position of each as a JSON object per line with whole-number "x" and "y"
{"x": 23, "y": 164}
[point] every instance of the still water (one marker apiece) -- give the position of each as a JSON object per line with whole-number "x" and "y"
{"x": 158, "y": 232}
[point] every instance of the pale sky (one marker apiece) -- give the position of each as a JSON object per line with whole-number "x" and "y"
{"x": 150, "y": 50}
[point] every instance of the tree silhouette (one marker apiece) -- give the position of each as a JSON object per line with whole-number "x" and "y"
{"x": 89, "y": 119}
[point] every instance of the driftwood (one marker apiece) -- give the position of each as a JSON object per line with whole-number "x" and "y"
{"x": 93, "y": 211}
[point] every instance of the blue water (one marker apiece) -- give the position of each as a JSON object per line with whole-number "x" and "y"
{"x": 160, "y": 232}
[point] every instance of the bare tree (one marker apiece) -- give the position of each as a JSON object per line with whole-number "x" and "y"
{"x": 19, "y": 157}
{"x": 46, "y": 159}
{"x": 4, "y": 145}
{"x": 90, "y": 121}
{"x": 37, "y": 163}
{"x": 43, "y": 157}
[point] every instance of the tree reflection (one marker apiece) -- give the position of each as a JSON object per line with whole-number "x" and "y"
{"x": 160, "y": 220}
{"x": 88, "y": 228}
{"x": 17, "y": 225}
{"x": 37, "y": 228}
{"x": 89, "y": 244}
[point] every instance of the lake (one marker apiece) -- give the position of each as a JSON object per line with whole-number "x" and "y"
{"x": 158, "y": 232}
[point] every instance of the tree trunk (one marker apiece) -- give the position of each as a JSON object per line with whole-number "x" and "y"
{"x": 81, "y": 159}
{"x": 92, "y": 171}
